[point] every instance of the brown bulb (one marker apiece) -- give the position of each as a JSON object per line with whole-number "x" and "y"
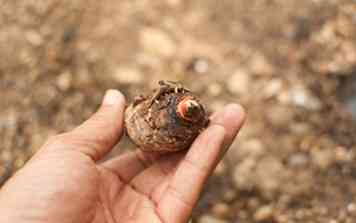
{"x": 169, "y": 120}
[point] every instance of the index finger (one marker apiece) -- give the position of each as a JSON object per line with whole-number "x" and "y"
{"x": 187, "y": 183}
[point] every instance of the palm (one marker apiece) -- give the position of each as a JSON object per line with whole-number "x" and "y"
{"x": 140, "y": 191}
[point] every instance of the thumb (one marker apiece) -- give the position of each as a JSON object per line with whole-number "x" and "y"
{"x": 97, "y": 136}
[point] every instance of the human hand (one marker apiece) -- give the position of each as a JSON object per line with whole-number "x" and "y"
{"x": 65, "y": 183}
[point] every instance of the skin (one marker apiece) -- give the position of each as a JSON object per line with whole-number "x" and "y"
{"x": 65, "y": 182}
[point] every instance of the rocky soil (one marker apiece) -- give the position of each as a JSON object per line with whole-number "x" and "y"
{"x": 292, "y": 64}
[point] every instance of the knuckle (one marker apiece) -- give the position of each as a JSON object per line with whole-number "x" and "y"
{"x": 57, "y": 140}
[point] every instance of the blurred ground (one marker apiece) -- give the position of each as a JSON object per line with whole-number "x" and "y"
{"x": 292, "y": 64}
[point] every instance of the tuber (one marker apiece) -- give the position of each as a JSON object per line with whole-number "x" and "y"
{"x": 169, "y": 120}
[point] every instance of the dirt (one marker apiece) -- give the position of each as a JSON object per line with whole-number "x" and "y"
{"x": 288, "y": 62}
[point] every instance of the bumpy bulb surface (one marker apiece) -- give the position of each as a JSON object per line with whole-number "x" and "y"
{"x": 167, "y": 121}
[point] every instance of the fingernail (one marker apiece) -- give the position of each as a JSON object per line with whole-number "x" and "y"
{"x": 112, "y": 97}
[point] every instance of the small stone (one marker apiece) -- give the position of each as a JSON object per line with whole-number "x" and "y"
{"x": 210, "y": 219}
{"x": 298, "y": 160}
{"x": 301, "y": 97}
{"x": 128, "y": 75}
{"x": 229, "y": 195}
{"x": 272, "y": 88}
{"x": 323, "y": 158}
{"x": 322, "y": 210}
{"x": 282, "y": 218}
{"x": 343, "y": 155}
{"x": 351, "y": 208}
{"x": 239, "y": 82}
{"x": 342, "y": 216}
{"x": 44, "y": 96}
{"x": 300, "y": 214}
{"x": 269, "y": 175}
{"x": 221, "y": 210}
{"x": 301, "y": 128}
{"x": 284, "y": 97}
{"x": 200, "y": 65}
{"x": 214, "y": 89}
{"x": 157, "y": 42}
{"x": 280, "y": 115}
{"x": 26, "y": 57}
{"x": 83, "y": 77}
{"x": 264, "y": 213}
{"x": 244, "y": 214}
{"x": 252, "y": 147}
{"x": 260, "y": 66}
{"x": 253, "y": 203}
{"x": 64, "y": 81}
{"x": 243, "y": 175}
{"x": 34, "y": 38}
{"x": 349, "y": 220}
